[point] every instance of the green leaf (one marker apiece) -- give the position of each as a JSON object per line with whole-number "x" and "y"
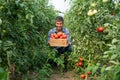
{"x": 102, "y": 69}
{"x": 1, "y": 7}
{"x": 0, "y": 60}
{"x": 107, "y": 52}
{"x": 117, "y": 63}
{"x": 114, "y": 40}
{"x": 88, "y": 69}
{"x": 105, "y": 56}
{"x": 1, "y": 70}
{"x": 3, "y": 74}
{"x": 95, "y": 69}
{"x": 98, "y": 64}
{"x": 113, "y": 47}
{"x": 114, "y": 56}
{"x": 109, "y": 68}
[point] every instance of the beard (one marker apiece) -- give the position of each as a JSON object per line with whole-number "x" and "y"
{"x": 59, "y": 28}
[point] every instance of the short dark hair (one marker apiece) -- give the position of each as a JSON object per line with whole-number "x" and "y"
{"x": 59, "y": 18}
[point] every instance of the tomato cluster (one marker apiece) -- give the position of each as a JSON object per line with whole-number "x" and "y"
{"x": 83, "y": 76}
{"x": 59, "y": 35}
{"x": 80, "y": 63}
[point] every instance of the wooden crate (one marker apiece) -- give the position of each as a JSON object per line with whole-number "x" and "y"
{"x": 58, "y": 42}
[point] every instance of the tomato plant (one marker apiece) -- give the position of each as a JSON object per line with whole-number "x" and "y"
{"x": 93, "y": 29}
{"x": 24, "y": 26}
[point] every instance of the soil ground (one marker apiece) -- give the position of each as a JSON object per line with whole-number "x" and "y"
{"x": 57, "y": 75}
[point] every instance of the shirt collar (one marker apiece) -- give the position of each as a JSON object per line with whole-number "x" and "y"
{"x": 63, "y": 29}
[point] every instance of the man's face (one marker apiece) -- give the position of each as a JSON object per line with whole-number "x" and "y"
{"x": 59, "y": 25}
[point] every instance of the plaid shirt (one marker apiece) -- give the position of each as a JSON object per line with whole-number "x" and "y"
{"x": 64, "y": 30}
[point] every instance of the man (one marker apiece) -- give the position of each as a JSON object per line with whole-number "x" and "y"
{"x": 59, "y": 22}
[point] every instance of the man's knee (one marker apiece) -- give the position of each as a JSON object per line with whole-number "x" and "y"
{"x": 69, "y": 48}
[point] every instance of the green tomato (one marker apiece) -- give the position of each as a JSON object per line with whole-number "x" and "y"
{"x": 4, "y": 31}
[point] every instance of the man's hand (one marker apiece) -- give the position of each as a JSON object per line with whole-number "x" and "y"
{"x": 67, "y": 44}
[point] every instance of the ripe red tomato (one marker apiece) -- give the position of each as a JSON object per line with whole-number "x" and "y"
{"x": 52, "y": 36}
{"x": 64, "y": 36}
{"x": 81, "y": 59}
{"x": 88, "y": 72}
{"x": 100, "y": 29}
{"x": 56, "y": 36}
{"x": 60, "y": 34}
{"x": 82, "y": 76}
{"x": 61, "y": 37}
{"x": 80, "y": 64}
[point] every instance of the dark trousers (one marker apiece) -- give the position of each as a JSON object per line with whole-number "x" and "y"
{"x": 63, "y": 50}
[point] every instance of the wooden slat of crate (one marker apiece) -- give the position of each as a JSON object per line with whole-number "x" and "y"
{"x": 58, "y": 42}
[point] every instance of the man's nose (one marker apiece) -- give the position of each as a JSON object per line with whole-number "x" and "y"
{"x": 59, "y": 25}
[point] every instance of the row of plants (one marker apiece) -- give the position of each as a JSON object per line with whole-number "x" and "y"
{"x": 95, "y": 33}
{"x": 24, "y": 25}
